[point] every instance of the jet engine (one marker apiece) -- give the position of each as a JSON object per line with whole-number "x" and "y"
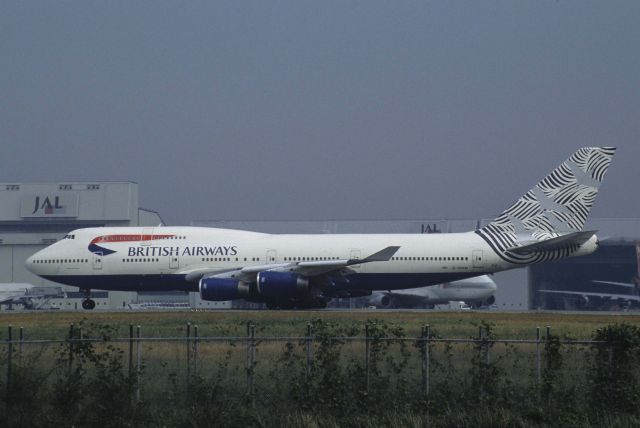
{"x": 220, "y": 289}
{"x": 280, "y": 284}
{"x": 380, "y": 300}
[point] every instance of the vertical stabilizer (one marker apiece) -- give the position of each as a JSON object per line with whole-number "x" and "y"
{"x": 558, "y": 204}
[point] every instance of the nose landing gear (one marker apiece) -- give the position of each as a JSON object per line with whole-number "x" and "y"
{"x": 88, "y": 303}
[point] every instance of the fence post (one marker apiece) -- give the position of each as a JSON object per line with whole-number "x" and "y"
{"x": 424, "y": 351}
{"x": 248, "y": 357}
{"x": 480, "y": 365}
{"x": 9, "y": 357}
{"x": 250, "y": 362}
{"x": 423, "y": 362}
{"x": 130, "y": 350}
{"x": 70, "y": 348}
{"x": 309, "y": 353}
{"x": 367, "y": 355}
{"x": 195, "y": 350}
{"x": 138, "y": 364}
{"x": 538, "y": 366}
{"x": 20, "y": 346}
{"x": 81, "y": 342}
{"x": 547, "y": 363}
{"x": 188, "y": 341}
{"x": 610, "y": 354}
{"x": 253, "y": 365}
{"x": 428, "y": 359}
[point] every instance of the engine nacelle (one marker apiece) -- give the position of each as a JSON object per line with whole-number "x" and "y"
{"x": 281, "y": 284}
{"x": 220, "y": 289}
{"x": 380, "y": 300}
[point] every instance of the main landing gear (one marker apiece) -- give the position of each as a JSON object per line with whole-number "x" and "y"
{"x": 88, "y": 303}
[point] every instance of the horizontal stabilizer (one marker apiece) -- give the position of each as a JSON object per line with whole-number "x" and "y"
{"x": 562, "y": 241}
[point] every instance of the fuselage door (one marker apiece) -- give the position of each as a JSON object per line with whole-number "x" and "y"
{"x": 147, "y": 236}
{"x": 97, "y": 261}
{"x": 174, "y": 261}
{"x": 355, "y": 255}
{"x": 272, "y": 256}
{"x": 476, "y": 257}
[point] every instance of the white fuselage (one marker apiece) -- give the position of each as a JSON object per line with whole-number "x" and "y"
{"x": 135, "y": 258}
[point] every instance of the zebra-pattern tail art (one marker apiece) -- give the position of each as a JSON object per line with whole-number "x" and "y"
{"x": 558, "y": 204}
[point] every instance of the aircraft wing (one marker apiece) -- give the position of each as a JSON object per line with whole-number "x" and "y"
{"x": 304, "y": 268}
{"x": 630, "y": 297}
{"x": 562, "y": 241}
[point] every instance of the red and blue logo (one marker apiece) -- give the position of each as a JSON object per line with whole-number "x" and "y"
{"x": 98, "y": 249}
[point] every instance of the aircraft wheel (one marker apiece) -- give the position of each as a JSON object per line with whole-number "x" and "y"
{"x": 88, "y": 304}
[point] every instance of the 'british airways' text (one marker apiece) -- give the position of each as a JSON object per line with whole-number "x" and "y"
{"x": 152, "y": 251}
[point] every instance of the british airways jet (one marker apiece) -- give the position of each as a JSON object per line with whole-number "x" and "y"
{"x": 303, "y": 271}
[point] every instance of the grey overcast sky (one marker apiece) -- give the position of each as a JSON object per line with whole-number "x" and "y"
{"x": 320, "y": 109}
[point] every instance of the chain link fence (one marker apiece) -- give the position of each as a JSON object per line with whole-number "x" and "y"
{"x": 327, "y": 368}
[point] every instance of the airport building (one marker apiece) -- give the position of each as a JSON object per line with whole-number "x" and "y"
{"x": 35, "y": 215}
{"x": 608, "y": 279}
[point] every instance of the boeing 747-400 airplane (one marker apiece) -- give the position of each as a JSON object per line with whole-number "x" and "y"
{"x": 305, "y": 270}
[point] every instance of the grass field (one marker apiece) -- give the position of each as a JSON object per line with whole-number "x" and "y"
{"x": 320, "y": 382}
{"x": 53, "y": 325}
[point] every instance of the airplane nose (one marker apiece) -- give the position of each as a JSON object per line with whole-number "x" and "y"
{"x": 31, "y": 265}
{"x": 28, "y": 264}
